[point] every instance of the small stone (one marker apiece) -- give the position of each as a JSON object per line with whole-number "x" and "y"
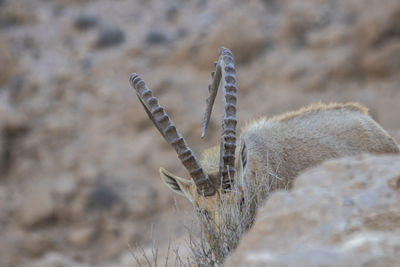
{"x": 155, "y": 38}
{"x": 53, "y": 259}
{"x": 103, "y": 196}
{"x": 85, "y": 22}
{"x": 110, "y": 37}
{"x": 37, "y": 206}
{"x": 81, "y": 236}
{"x": 65, "y": 187}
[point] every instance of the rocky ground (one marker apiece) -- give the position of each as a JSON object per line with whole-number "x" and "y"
{"x": 79, "y": 159}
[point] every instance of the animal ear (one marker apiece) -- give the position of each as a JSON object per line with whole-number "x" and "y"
{"x": 243, "y": 156}
{"x": 177, "y": 184}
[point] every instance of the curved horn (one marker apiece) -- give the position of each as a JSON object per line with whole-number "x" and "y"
{"x": 168, "y": 130}
{"x": 225, "y": 71}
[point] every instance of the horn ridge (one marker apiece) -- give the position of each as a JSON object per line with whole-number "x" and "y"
{"x": 213, "y": 89}
{"x": 170, "y": 133}
{"x": 229, "y": 101}
{"x": 225, "y": 74}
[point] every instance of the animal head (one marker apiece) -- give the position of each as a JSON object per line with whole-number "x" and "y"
{"x": 207, "y": 187}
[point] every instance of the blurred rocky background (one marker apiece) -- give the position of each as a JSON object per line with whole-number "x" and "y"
{"x": 79, "y": 159}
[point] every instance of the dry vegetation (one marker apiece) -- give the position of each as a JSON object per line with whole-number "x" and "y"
{"x": 236, "y": 212}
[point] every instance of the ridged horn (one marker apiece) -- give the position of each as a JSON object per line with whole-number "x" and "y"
{"x": 168, "y": 130}
{"x": 225, "y": 72}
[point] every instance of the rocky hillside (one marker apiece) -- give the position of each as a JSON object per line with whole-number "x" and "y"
{"x": 79, "y": 158}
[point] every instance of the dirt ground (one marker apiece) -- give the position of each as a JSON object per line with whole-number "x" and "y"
{"x": 79, "y": 158}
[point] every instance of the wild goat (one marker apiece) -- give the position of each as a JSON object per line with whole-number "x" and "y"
{"x": 273, "y": 150}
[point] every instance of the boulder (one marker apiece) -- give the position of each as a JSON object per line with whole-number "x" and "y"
{"x": 345, "y": 212}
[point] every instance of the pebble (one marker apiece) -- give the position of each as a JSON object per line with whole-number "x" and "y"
{"x": 85, "y": 22}
{"x": 156, "y": 37}
{"x": 109, "y": 37}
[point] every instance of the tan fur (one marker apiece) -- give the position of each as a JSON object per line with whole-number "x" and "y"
{"x": 281, "y": 147}
{"x": 298, "y": 140}
{"x": 317, "y": 107}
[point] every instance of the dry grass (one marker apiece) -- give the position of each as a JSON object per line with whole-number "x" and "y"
{"x": 209, "y": 244}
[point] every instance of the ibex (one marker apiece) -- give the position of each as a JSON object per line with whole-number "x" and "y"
{"x": 278, "y": 148}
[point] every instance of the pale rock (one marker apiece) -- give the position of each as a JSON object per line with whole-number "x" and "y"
{"x": 10, "y": 118}
{"x": 345, "y": 212}
{"x": 81, "y": 236}
{"x": 53, "y": 259}
{"x": 36, "y": 206}
{"x": 65, "y": 187}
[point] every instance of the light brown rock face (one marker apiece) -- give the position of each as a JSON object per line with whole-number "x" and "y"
{"x": 345, "y": 212}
